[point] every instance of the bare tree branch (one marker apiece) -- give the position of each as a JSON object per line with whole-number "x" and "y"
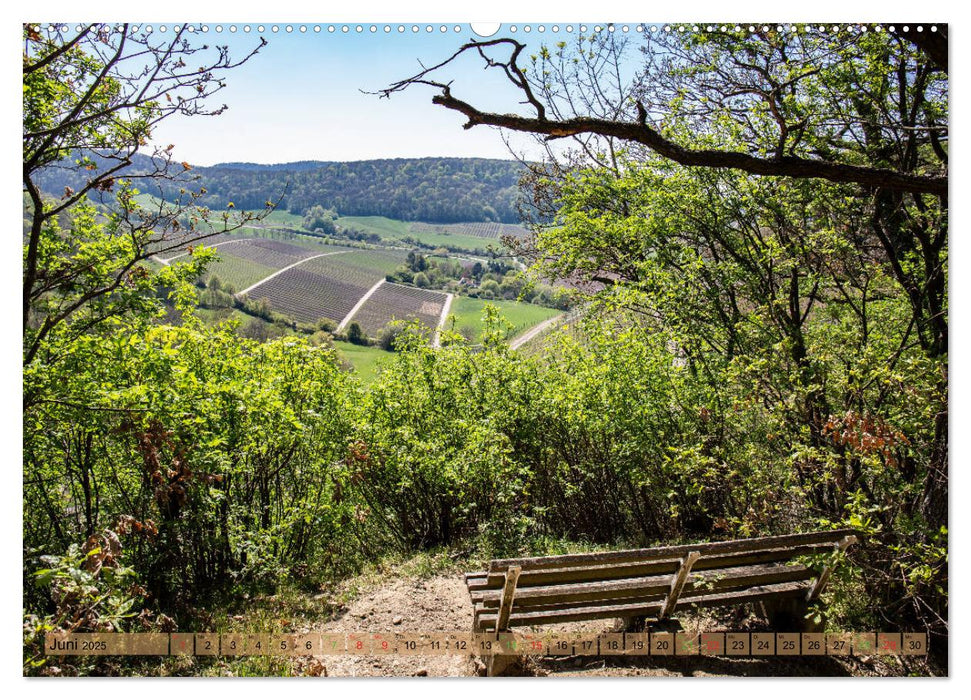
{"x": 642, "y": 133}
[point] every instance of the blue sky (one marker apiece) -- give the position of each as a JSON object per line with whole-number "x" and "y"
{"x": 300, "y": 98}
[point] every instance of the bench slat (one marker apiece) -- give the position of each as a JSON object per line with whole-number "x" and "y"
{"x": 570, "y": 613}
{"x": 607, "y": 572}
{"x": 578, "y": 574}
{"x": 645, "y": 587}
{"x": 477, "y": 584}
{"x": 528, "y": 564}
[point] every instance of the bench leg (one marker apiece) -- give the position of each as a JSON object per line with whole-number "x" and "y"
{"x": 500, "y": 664}
{"x": 504, "y": 665}
{"x": 633, "y": 624}
{"x": 668, "y": 624}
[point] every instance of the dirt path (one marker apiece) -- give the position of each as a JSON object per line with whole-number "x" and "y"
{"x": 301, "y": 261}
{"x": 534, "y": 331}
{"x": 358, "y": 304}
{"x": 446, "y": 307}
{"x": 440, "y": 603}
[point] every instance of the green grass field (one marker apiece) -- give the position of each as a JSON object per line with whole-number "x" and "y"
{"x": 282, "y": 217}
{"x": 386, "y": 228}
{"x": 365, "y": 360}
{"x": 393, "y": 230}
{"x": 468, "y": 314}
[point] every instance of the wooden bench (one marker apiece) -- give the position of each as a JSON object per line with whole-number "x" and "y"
{"x": 649, "y": 583}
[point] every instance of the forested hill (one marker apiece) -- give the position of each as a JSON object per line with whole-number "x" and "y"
{"x": 411, "y": 189}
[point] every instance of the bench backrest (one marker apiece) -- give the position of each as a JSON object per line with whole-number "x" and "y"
{"x": 611, "y": 584}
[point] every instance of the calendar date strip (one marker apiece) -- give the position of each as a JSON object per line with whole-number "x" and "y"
{"x": 748, "y": 644}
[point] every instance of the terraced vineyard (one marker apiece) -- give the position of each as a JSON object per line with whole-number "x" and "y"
{"x": 272, "y": 254}
{"x": 363, "y": 267}
{"x": 397, "y": 302}
{"x": 318, "y": 287}
{"x": 237, "y": 272}
{"x": 319, "y": 280}
{"x": 174, "y": 247}
{"x": 326, "y": 287}
{"x": 308, "y": 296}
{"x": 380, "y": 261}
{"x": 244, "y": 263}
{"x": 478, "y": 229}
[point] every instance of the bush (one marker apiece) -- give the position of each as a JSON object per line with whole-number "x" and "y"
{"x": 355, "y": 334}
{"x": 85, "y": 589}
{"x": 428, "y": 471}
{"x": 389, "y": 334}
{"x": 230, "y": 456}
{"x": 320, "y": 220}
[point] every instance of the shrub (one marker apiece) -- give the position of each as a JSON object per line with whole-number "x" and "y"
{"x": 389, "y": 334}
{"x": 355, "y": 334}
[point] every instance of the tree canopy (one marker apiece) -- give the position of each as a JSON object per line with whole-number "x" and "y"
{"x": 439, "y": 190}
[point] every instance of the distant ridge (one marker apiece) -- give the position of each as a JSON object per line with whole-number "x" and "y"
{"x": 437, "y": 190}
{"x": 301, "y": 165}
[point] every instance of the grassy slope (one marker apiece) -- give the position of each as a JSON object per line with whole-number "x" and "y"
{"x": 365, "y": 360}
{"x": 468, "y": 313}
{"x": 282, "y": 217}
{"x": 396, "y": 230}
{"x": 391, "y": 230}
{"x": 386, "y": 228}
